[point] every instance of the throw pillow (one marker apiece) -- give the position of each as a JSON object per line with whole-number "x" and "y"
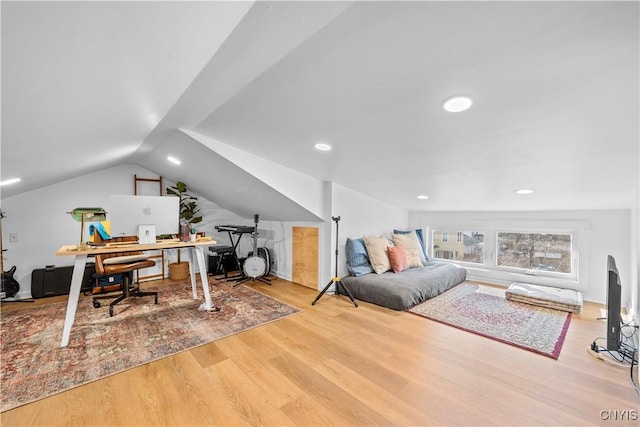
{"x": 423, "y": 242}
{"x": 357, "y": 259}
{"x": 409, "y": 241}
{"x": 398, "y": 258}
{"x": 412, "y": 258}
{"x": 377, "y": 251}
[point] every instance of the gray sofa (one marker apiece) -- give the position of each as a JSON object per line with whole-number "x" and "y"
{"x": 401, "y": 290}
{"x": 407, "y": 288}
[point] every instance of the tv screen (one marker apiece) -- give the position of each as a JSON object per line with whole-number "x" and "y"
{"x": 126, "y": 213}
{"x": 614, "y": 296}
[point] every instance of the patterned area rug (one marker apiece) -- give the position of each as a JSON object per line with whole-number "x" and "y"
{"x": 484, "y": 311}
{"x": 34, "y": 366}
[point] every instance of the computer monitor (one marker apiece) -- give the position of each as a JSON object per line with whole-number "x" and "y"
{"x": 126, "y": 213}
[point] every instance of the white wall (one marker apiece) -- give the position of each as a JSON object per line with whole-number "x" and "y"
{"x": 600, "y": 233}
{"x": 359, "y": 214}
{"x": 362, "y": 215}
{"x": 43, "y": 225}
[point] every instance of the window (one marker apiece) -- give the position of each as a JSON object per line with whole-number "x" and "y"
{"x": 468, "y": 246}
{"x": 534, "y": 251}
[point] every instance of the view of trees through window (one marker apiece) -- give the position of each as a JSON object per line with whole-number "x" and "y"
{"x": 548, "y": 252}
{"x": 458, "y": 245}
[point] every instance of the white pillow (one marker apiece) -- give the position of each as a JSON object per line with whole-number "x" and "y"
{"x": 377, "y": 251}
{"x": 412, "y": 258}
{"x": 125, "y": 259}
{"x": 409, "y": 241}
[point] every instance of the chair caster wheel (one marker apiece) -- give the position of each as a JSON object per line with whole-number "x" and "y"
{"x": 96, "y": 304}
{"x": 110, "y": 311}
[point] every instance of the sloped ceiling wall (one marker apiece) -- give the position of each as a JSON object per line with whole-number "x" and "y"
{"x": 222, "y": 181}
{"x": 87, "y": 85}
{"x": 84, "y": 83}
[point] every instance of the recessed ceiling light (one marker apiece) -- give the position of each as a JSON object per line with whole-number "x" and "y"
{"x": 322, "y": 146}
{"x": 525, "y": 191}
{"x": 423, "y": 197}
{"x": 457, "y": 104}
{"x": 10, "y": 181}
{"x": 174, "y": 160}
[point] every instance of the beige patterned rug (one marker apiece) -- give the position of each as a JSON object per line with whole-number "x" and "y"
{"x": 485, "y": 311}
{"x": 34, "y": 366}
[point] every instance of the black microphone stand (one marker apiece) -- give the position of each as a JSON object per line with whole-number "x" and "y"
{"x": 336, "y": 280}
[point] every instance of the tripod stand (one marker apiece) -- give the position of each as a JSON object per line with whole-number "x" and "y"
{"x": 336, "y": 280}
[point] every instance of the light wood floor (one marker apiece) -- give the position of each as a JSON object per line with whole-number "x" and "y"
{"x": 334, "y": 364}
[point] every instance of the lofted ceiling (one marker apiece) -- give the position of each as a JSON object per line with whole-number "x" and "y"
{"x": 87, "y": 85}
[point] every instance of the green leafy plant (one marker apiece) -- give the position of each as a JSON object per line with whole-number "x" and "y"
{"x": 188, "y": 203}
{"x": 188, "y": 206}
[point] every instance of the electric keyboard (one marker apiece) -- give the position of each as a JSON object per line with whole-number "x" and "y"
{"x": 238, "y": 229}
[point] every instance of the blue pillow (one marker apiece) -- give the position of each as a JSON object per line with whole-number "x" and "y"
{"x": 420, "y": 239}
{"x": 357, "y": 258}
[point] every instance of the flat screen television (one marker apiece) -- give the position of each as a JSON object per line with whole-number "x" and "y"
{"x": 126, "y": 213}
{"x": 614, "y": 296}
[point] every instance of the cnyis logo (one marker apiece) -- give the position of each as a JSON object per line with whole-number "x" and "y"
{"x": 619, "y": 415}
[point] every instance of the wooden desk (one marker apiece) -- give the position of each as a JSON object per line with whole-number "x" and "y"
{"x": 81, "y": 259}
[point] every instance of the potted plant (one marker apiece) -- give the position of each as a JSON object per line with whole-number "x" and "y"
{"x": 188, "y": 216}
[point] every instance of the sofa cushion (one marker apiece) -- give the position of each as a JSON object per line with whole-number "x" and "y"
{"x": 125, "y": 259}
{"x": 413, "y": 259}
{"x": 423, "y": 242}
{"x": 377, "y": 251}
{"x": 397, "y": 258}
{"x": 357, "y": 259}
{"x": 409, "y": 241}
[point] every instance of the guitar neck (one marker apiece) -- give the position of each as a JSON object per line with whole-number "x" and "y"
{"x": 255, "y": 235}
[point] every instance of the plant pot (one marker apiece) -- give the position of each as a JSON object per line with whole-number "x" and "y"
{"x": 178, "y": 270}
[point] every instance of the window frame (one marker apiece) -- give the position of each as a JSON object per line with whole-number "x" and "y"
{"x": 572, "y": 275}
{"x": 445, "y": 231}
{"x": 579, "y": 228}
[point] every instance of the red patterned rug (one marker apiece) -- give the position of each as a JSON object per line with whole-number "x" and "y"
{"x": 484, "y": 311}
{"x": 34, "y": 366}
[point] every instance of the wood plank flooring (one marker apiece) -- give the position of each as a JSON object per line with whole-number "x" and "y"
{"x": 335, "y": 364}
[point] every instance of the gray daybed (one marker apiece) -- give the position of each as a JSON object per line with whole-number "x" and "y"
{"x": 400, "y": 291}
{"x": 406, "y": 288}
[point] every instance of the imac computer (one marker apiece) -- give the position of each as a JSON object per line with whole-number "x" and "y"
{"x": 128, "y": 213}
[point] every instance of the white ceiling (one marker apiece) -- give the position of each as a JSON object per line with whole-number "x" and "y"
{"x": 86, "y": 85}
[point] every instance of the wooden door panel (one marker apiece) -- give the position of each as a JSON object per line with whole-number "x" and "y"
{"x": 305, "y": 256}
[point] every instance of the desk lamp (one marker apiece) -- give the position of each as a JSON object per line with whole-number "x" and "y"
{"x": 87, "y": 214}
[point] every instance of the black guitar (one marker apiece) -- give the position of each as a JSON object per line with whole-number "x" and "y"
{"x": 10, "y": 286}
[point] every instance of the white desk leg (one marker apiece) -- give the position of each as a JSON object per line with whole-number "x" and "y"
{"x": 192, "y": 275}
{"x": 74, "y": 295}
{"x": 204, "y": 279}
